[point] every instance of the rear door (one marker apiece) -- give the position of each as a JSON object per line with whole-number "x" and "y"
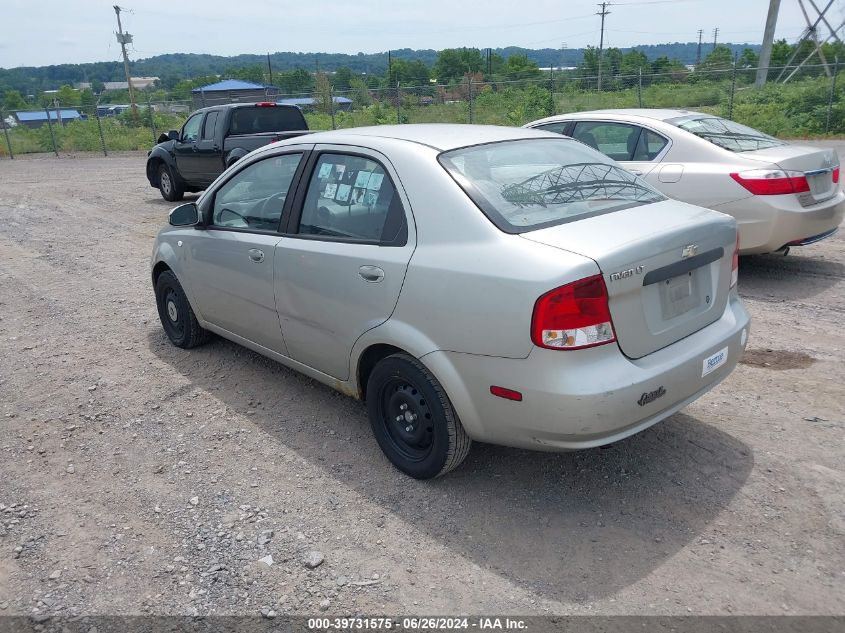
{"x": 232, "y": 261}
{"x": 342, "y": 262}
{"x": 209, "y": 155}
{"x": 634, "y": 147}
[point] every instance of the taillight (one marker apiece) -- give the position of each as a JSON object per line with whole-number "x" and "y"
{"x": 573, "y": 316}
{"x": 772, "y": 182}
{"x": 835, "y": 174}
{"x": 265, "y": 104}
{"x": 735, "y": 263}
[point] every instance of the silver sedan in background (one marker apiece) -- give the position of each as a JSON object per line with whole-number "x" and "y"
{"x": 467, "y": 282}
{"x": 781, "y": 194}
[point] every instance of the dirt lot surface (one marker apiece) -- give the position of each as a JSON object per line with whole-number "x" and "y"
{"x": 136, "y": 477}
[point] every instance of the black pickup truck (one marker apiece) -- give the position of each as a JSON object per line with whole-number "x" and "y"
{"x": 212, "y": 139}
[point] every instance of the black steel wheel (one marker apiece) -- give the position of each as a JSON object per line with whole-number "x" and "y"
{"x": 413, "y": 420}
{"x": 177, "y": 318}
{"x": 170, "y": 187}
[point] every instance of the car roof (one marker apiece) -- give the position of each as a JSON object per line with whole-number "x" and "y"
{"x": 659, "y": 114}
{"x": 439, "y": 136}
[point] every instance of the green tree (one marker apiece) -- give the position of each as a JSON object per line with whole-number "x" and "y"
{"x": 13, "y": 100}
{"x": 342, "y": 78}
{"x": 748, "y": 59}
{"x": 408, "y": 73}
{"x": 87, "y": 101}
{"x": 68, "y": 96}
{"x": 254, "y": 74}
{"x": 297, "y": 81}
{"x": 633, "y": 62}
{"x": 322, "y": 93}
{"x": 453, "y": 63}
{"x": 359, "y": 92}
{"x": 720, "y": 58}
{"x": 520, "y": 67}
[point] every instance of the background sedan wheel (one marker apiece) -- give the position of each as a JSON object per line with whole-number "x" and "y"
{"x": 171, "y": 190}
{"x": 177, "y": 318}
{"x": 413, "y": 420}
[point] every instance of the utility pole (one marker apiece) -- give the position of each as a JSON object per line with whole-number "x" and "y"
{"x": 269, "y": 68}
{"x": 604, "y": 12}
{"x": 768, "y": 40}
{"x": 715, "y": 37}
{"x": 698, "y": 52}
{"x": 124, "y": 39}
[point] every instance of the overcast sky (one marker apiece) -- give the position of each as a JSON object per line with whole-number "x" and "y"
{"x": 58, "y": 31}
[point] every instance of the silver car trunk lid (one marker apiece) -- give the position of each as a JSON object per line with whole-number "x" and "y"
{"x": 667, "y": 267}
{"x": 816, "y": 164}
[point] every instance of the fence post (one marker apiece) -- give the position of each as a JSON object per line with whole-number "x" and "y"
{"x": 640, "y": 86}
{"x": 733, "y": 89}
{"x": 52, "y": 136}
{"x": 398, "y": 103}
{"x": 551, "y": 108}
{"x": 331, "y": 106}
{"x": 6, "y": 134}
{"x": 152, "y": 120}
{"x": 469, "y": 90}
{"x": 829, "y": 100}
{"x": 100, "y": 129}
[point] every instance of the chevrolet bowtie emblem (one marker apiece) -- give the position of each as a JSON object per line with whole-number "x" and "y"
{"x": 689, "y": 251}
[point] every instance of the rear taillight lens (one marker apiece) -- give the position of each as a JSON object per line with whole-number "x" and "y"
{"x": 735, "y": 264}
{"x": 835, "y": 174}
{"x": 265, "y": 104}
{"x": 772, "y": 182}
{"x": 573, "y": 316}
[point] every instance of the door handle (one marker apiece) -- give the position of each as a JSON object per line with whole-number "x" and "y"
{"x": 636, "y": 172}
{"x": 372, "y": 274}
{"x": 256, "y": 255}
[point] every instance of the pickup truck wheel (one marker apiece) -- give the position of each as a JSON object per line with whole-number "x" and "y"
{"x": 413, "y": 421}
{"x": 177, "y": 318}
{"x": 171, "y": 189}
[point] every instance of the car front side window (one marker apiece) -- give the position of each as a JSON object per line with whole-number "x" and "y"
{"x": 191, "y": 129}
{"x": 255, "y": 197}
{"x": 352, "y": 198}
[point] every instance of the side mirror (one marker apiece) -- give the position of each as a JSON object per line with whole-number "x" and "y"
{"x": 185, "y": 215}
{"x": 173, "y": 135}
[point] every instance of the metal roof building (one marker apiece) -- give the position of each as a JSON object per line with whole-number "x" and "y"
{"x": 39, "y": 117}
{"x": 232, "y": 91}
{"x": 307, "y": 103}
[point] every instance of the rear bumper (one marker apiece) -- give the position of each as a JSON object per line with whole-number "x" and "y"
{"x": 586, "y": 398}
{"x": 767, "y": 223}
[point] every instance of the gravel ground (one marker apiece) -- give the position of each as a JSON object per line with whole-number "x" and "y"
{"x": 136, "y": 477}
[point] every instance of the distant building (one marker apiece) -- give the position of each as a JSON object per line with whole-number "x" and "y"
{"x": 232, "y": 91}
{"x": 139, "y": 83}
{"x": 307, "y": 103}
{"x": 39, "y": 118}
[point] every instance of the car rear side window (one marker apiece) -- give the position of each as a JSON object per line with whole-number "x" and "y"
{"x": 352, "y": 198}
{"x": 534, "y": 183}
{"x": 558, "y": 128}
{"x": 616, "y": 140}
{"x": 209, "y": 125}
{"x": 253, "y": 198}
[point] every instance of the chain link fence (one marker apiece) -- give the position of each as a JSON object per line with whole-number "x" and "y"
{"x": 809, "y": 103}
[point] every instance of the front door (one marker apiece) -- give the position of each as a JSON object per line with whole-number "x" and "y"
{"x": 232, "y": 260}
{"x": 185, "y": 149}
{"x": 341, "y": 265}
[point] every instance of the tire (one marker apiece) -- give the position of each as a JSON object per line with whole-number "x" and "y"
{"x": 169, "y": 185}
{"x": 177, "y": 318}
{"x": 413, "y": 421}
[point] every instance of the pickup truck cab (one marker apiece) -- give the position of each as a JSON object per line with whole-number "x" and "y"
{"x": 214, "y": 138}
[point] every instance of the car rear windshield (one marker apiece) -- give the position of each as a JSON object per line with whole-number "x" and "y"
{"x": 530, "y": 184}
{"x": 727, "y": 134}
{"x": 258, "y": 119}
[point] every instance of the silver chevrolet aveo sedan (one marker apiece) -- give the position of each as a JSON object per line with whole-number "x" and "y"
{"x": 467, "y": 282}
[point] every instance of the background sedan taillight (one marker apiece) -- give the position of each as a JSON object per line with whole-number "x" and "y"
{"x": 573, "y": 316}
{"x": 772, "y": 182}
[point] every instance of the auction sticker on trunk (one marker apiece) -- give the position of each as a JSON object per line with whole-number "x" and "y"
{"x": 712, "y": 363}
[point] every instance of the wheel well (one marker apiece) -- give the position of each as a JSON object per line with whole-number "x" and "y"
{"x": 157, "y": 270}
{"x": 152, "y": 170}
{"x": 369, "y": 359}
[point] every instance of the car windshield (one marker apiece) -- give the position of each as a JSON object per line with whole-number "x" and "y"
{"x": 534, "y": 183}
{"x": 727, "y": 134}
